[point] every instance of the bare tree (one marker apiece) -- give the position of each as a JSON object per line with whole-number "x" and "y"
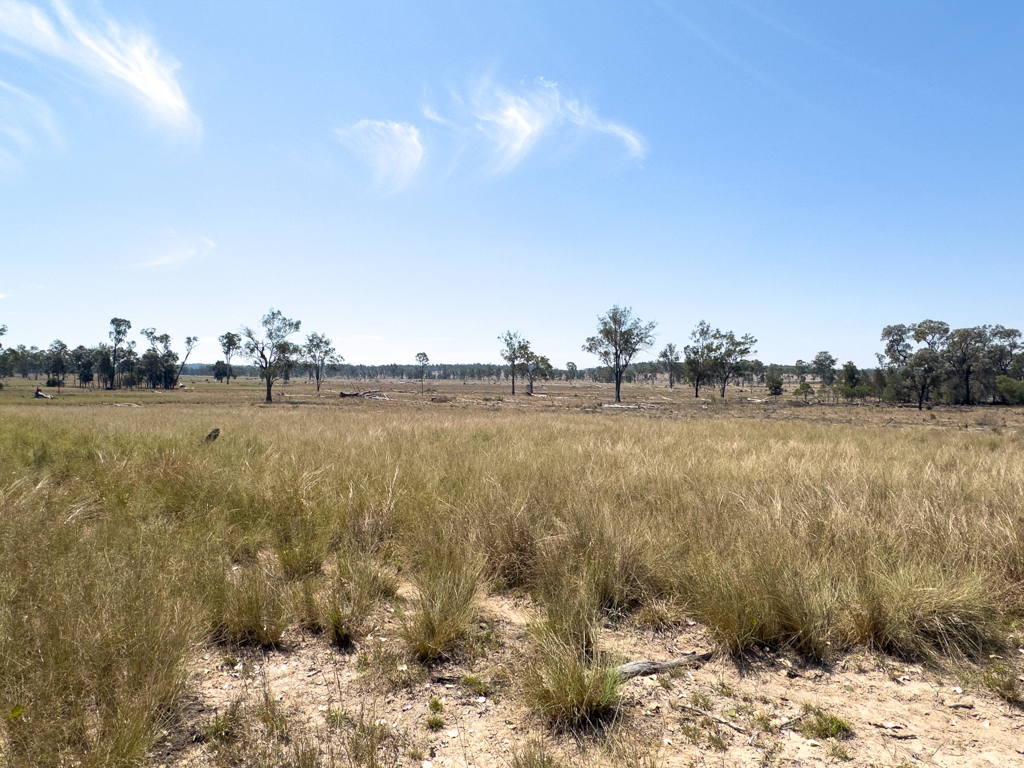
{"x": 272, "y": 350}
{"x": 620, "y": 336}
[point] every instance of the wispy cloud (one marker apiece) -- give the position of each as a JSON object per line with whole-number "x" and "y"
{"x": 177, "y": 255}
{"x": 25, "y": 122}
{"x": 514, "y": 122}
{"x": 103, "y": 51}
{"x": 392, "y": 150}
{"x": 497, "y": 127}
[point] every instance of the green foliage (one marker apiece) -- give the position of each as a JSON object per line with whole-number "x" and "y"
{"x": 820, "y": 724}
{"x": 620, "y": 336}
{"x": 1011, "y": 390}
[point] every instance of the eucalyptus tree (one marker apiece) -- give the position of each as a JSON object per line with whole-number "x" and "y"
{"x": 669, "y": 357}
{"x": 824, "y": 367}
{"x": 700, "y": 355}
{"x": 921, "y": 368}
{"x": 965, "y": 351}
{"x": 422, "y": 361}
{"x": 270, "y": 349}
{"x": 731, "y": 357}
{"x": 320, "y": 355}
{"x": 619, "y": 338}
{"x": 119, "y": 328}
{"x": 536, "y": 368}
{"x": 514, "y": 352}
{"x": 230, "y": 345}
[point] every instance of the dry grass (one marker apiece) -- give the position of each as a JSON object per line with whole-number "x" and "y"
{"x": 125, "y": 542}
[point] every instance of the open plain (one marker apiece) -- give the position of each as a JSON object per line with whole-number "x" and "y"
{"x": 452, "y": 577}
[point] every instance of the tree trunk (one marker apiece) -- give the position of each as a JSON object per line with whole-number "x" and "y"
{"x": 513, "y": 379}
{"x": 618, "y": 385}
{"x": 270, "y": 383}
{"x": 696, "y": 388}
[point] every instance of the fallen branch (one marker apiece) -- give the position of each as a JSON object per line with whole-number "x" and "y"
{"x": 709, "y": 716}
{"x": 792, "y": 721}
{"x": 645, "y": 667}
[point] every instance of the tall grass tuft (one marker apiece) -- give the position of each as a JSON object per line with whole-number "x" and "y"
{"x": 358, "y": 585}
{"x": 250, "y": 607}
{"x": 568, "y": 680}
{"x": 446, "y": 583}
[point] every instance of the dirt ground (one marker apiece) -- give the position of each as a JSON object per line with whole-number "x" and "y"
{"x": 721, "y": 713}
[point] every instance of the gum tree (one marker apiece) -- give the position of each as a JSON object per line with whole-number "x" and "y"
{"x": 320, "y": 354}
{"x": 230, "y": 345}
{"x": 620, "y": 336}
{"x": 514, "y": 352}
{"x": 271, "y": 350}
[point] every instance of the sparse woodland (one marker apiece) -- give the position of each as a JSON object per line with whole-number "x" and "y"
{"x": 437, "y": 562}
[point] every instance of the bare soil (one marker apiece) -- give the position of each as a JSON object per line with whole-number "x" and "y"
{"x": 726, "y": 712}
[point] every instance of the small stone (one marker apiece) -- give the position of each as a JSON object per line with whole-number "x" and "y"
{"x": 452, "y": 733}
{"x": 813, "y": 743}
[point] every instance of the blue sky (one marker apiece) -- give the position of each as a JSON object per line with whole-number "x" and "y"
{"x": 411, "y": 177}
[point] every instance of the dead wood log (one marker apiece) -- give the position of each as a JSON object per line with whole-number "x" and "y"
{"x": 372, "y": 394}
{"x": 642, "y": 668}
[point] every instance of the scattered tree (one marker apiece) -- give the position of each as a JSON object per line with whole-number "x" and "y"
{"x": 269, "y": 351}
{"x": 422, "y": 361}
{"x": 231, "y": 345}
{"x": 220, "y": 371}
{"x": 824, "y": 367}
{"x": 320, "y": 355}
{"x": 536, "y": 368}
{"x": 119, "y": 328}
{"x": 669, "y": 357}
{"x": 620, "y": 336}
{"x": 700, "y": 356}
{"x": 731, "y": 357}
{"x": 514, "y": 353}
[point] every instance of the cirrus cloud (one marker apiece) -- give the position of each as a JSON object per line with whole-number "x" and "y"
{"x": 101, "y": 50}
{"x": 392, "y": 150}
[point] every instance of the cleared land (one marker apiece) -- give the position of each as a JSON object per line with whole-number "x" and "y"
{"x": 369, "y": 582}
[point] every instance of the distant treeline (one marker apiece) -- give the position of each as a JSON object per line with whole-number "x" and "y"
{"x": 922, "y": 363}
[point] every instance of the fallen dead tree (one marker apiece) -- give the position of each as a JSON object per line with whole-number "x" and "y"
{"x": 634, "y": 407}
{"x": 373, "y": 394}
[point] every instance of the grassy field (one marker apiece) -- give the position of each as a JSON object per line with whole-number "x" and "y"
{"x": 129, "y": 545}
